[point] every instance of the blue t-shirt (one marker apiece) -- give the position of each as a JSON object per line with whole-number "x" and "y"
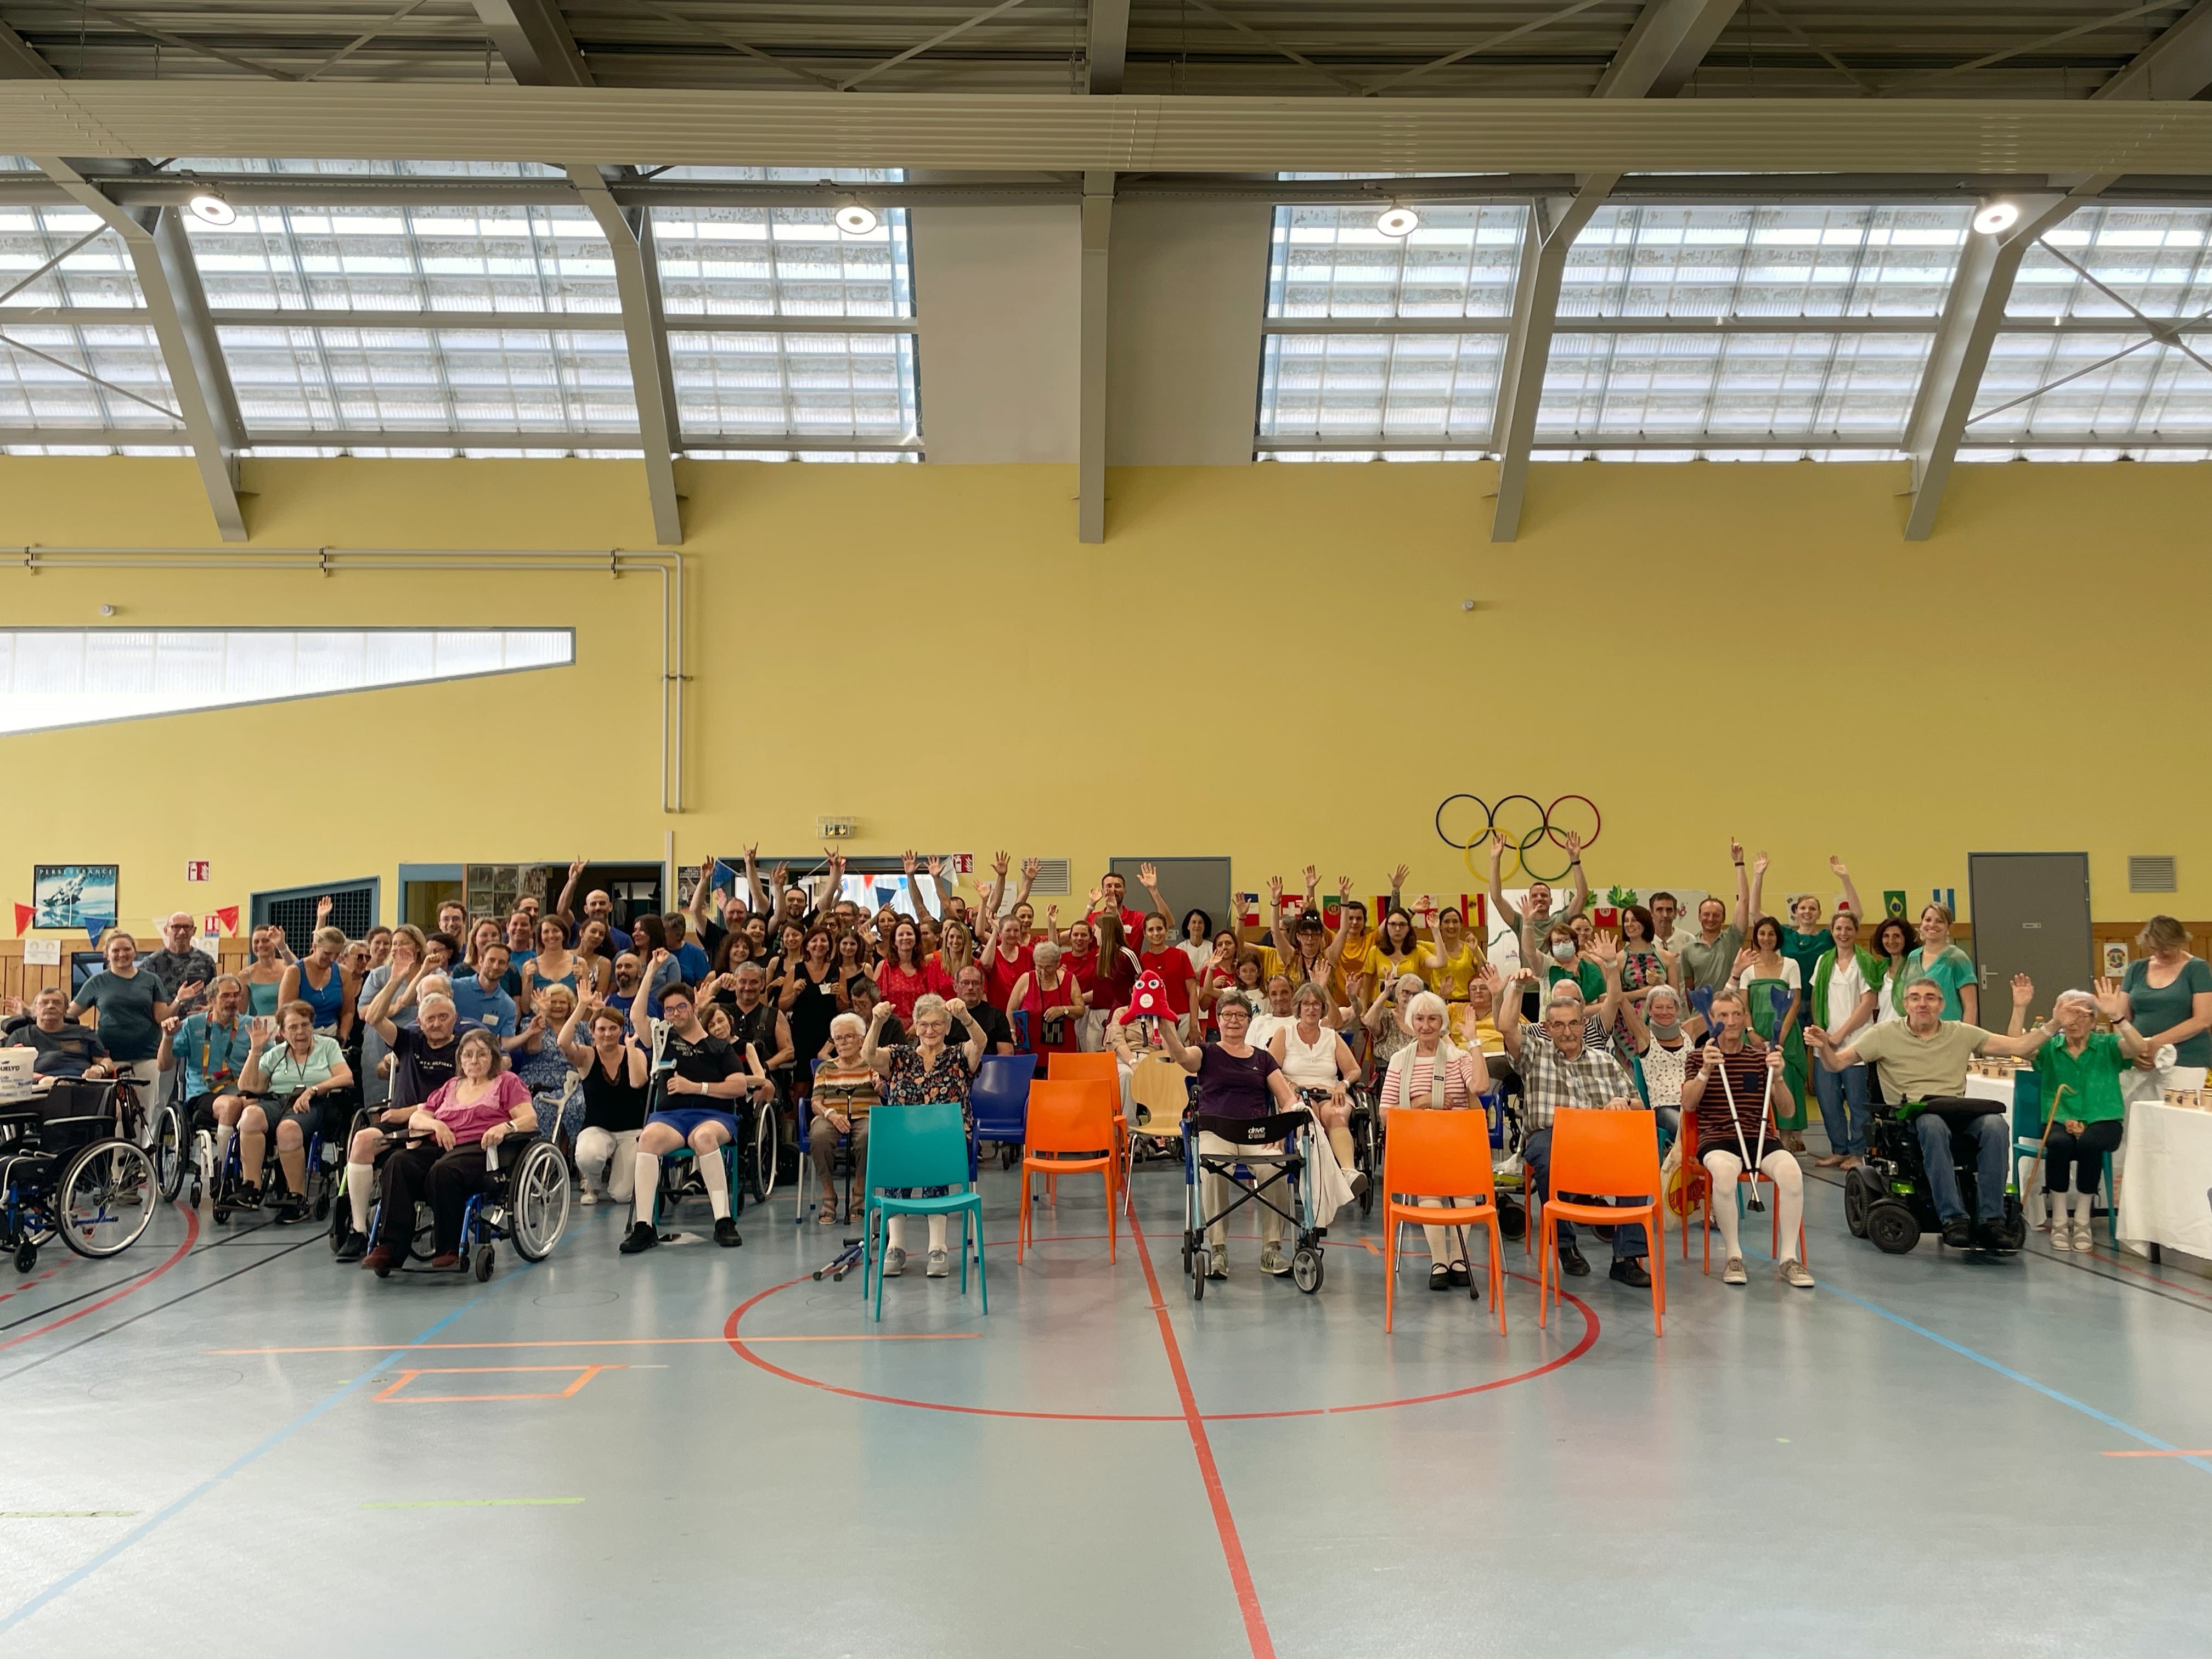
{"x": 493, "y": 1010}
{"x": 691, "y": 961}
{"x": 214, "y": 1057}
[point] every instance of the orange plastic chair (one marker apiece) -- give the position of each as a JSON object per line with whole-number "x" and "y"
{"x": 1703, "y": 1193}
{"x": 1100, "y": 1068}
{"x": 1070, "y": 1118}
{"x": 1431, "y": 1154}
{"x": 1605, "y": 1154}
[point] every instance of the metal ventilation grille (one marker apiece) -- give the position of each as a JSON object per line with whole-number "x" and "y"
{"x": 2150, "y": 873}
{"x": 1052, "y": 877}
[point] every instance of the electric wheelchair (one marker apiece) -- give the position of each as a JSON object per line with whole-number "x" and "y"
{"x": 1888, "y": 1199}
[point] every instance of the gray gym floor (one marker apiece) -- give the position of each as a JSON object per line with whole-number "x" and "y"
{"x": 239, "y": 1443}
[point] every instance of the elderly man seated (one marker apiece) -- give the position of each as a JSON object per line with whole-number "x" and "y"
{"x": 65, "y": 1048}
{"x": 1922, "y": 1062}
{"x": 425, "y": 1056}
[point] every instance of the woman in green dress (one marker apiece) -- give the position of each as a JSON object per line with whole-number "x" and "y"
{"x": 1762, "y": 969}
{"x": 1939, "y": 959}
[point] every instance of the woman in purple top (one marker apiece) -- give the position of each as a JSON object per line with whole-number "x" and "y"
{"x": 467, "y": 1117}
{"x": 1235, "y": 1080}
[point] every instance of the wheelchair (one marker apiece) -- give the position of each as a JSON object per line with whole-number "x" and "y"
{"x": 1888, "y": 1198}
{"x": 749, "y": 1161}
{"x": 69, "y": 1166}
{"x": 1366, "y": 1127}
{"x": 1255, "y": 1174}
{"x": 525, "y": 1203}
{"x": 323, "y": 1160}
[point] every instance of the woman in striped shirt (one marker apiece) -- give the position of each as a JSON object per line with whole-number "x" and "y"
{"x": 1432, "y": 1072}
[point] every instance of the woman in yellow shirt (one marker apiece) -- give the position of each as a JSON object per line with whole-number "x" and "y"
{"x": 1454, "y": 960}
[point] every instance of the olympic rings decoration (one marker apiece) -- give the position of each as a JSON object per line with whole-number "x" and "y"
{"x": 1544, "y": 828}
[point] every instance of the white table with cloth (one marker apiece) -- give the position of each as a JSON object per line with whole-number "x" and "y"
{"x": 2165, "y": 1178}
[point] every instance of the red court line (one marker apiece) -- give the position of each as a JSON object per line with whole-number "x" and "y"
{"x": 192, "y": 1238}
{"x": 2115, "y": 1260}
{"x": 614, "y": 1342}
{"x": 1224, "y": 1523}
{"x": 40, "y": 1279}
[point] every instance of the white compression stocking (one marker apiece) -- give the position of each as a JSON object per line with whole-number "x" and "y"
{"x": 1724, "y": 1168}
{"x": 223, "y": 1132}
{"x": 1789, "y": 1198}
{"x": 716, "y": 1175}
{"x": 649, "y": 1186}
{"x": 360, "y": 1193}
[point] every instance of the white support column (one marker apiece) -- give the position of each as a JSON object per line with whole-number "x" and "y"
{"x": 1553, "y": 226}
{"x": 653, "y": 384}
{"x": 177, "y": 310}
{"x": 1090, "y": 414}
{"x": 531, "y": 38}
{"x": 1665, "y": 44}
{"x": 1106, "y": 49}
{"x": 1972, "y": 313}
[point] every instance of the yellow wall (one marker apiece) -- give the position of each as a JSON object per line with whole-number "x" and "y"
{"x": 1271, "y": 662}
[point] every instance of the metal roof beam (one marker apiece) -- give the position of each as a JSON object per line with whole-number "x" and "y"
{"x": 1106, "y": 45}
{"x": 1550, "y": 233}
{"x": 19, "y": 63}
{"x": 2178, "y": 65}
{"x": 1973, "y": 312}
{"x": 1092, "y": 364}
{"x": 1665, "y": 44}
{"x": 177, "y": 309}
{"x": 653, "y": 382}
{"x": 531, "y": 38}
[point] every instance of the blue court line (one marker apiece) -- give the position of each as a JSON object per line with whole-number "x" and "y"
{"x": 71, "y": 1580}
{"x": 2043, "y": 1388}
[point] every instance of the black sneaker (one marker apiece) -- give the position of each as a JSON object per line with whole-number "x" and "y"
{"x": 641, "y": 1237}
{"x": 1959, "y": 1232}
{"x": 355, "y": 1247}
{"x": 245, "y": 1196}
{"x": 1571, "y": 1262}
{"x": 726, "y": 1233}
{"x": 290, "y": 1209}
{"x": 1629, "y": 1271}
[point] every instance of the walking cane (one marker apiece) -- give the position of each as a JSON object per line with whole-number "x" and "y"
{"x": 2049, "y": 1118}
{"x": 1778, "y": 999}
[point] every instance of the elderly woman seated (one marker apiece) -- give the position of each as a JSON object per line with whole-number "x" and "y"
{"x": 844, "y": 1092}
{"x": 1433, "y": 1073}
{"x": 928, "y": 1070}
{"x": 1321, "y": 1067}
{"x": 284, "y": 1080}
{"x": 444, "y": 1159}
{"x": 2080, "y": 1069}
{"x": 1235, "y": 1080}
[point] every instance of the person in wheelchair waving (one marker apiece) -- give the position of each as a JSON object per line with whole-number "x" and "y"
{"x": 444, "y": 1159}
{"x": 296, "y": 1073}
{"x": 696, "y": 1077}
{"x": 213, "y": 1044}
{"x": 1922, "y": 1062}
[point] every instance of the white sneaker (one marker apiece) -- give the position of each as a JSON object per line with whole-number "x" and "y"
{"x": 894, "y": 1262}
{"x": 1217, "y": 1262}
{"x": 1273, "y": 1261}
{"x": 1793, "y": 1274}
{"x": 587, "y": 1196}
{"x": 1733, "y": 1272}
{"x": 940, "y": 1264}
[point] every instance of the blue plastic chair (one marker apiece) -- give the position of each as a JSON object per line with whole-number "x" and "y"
{"x": 803, "y": 1110}
{"x": 911, "y": 1147}
{"x": 998, "y": 1103}
{"x": 2027, "y": 1135}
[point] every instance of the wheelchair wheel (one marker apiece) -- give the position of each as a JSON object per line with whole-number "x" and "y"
{"x": 341, "y": 1217}
{"x": 1306, "y": 1268}
{"x": 486, "y": 1259}
{"x": 1193, "y": 1256}
{"x": 171, "y": 1153}
{"x": 764, "y": 1148}
{"x": 27, "y": 1256}
{"x": 1894, "y": 1228}
{"x": 538, "y": 1204}
{"x": 1856, "y": 1205}
{"x": 106, "y": 1199}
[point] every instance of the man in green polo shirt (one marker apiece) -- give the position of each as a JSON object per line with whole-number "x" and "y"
{"x": 1923, "y": 1058}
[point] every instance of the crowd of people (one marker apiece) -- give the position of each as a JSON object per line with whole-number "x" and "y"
{"x": 627, "y": 1042}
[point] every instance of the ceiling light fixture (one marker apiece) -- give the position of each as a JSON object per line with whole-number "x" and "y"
{"x": 210, "y": 206}
{"x": 1397, "y": 222}
{"x": 1995, "y": 218}
{"x": 857, "y": 220}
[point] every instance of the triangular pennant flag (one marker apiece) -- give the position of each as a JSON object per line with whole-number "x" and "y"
{"x": 95, "y": 927}
{"x": 23, "y": 913}
{"x": 228, "y": 917}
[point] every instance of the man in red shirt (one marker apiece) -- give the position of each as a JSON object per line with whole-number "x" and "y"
{"x": 1113, "y": 888}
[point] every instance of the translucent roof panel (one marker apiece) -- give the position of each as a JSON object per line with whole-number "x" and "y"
{"x": 39, "y": 388}
{"x": 355, "y": 379}
{"x": 347, "y": 167}
{"x": 802, "y": 385}
{"x": 1735, "y": 385}
{"x": 1352, "y": 386}
{"x": 2158, "y": 259}
{"x": 406, "y": 258}
{"x": 2116, "y": 386}
{"x": 1332, "y": 262}
{"x": 780, "y": 262}
{"x": 97, "y": 273}
{"x": 1747, "y": 261}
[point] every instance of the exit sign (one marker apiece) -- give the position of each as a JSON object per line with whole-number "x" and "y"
{"x": 196, "y": 869}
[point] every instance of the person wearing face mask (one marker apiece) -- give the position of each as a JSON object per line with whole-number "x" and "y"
{"x": 1730, "y": 1121}
{"x": 1433, "y": 1072}
{"x": 1665, "y": 1044}
{"x": 1846, "y": 990}
{"x": 2080, "y": 1070}
{"x": 1536, "y": 917}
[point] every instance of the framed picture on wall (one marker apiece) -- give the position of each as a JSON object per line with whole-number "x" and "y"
{"x": 70, "y": 895}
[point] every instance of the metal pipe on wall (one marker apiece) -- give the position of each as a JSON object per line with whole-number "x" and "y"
{"x": 324, "y": 560}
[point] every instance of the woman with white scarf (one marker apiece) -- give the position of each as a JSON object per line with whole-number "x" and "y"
{"x": 1432, "y": 1072}
{"x": 1666, "y": 1046}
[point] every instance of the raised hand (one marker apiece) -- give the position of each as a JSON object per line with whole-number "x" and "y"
{"x": 1052, "y": 912}
{"x": 781, "y": 876}
{"x": 935, "y": 867}
{"x": 1312, "y": 880}
{"x": 1275, "y": 891}
{"x": 1744, "y": 959}
{"x": 1759, "y": 865}
{"x": 170, "y": 1024}
{"x": 909, "y": 863}
{"x": 323, "y": 907}
{"x": 1343, "y": 887}
{"x": 1490, "y": 976}
{"x": 1398, "y": 876}
{"x": 999, "y": 862}
{"x": 1031, "y": 869}
{"x": 1735, "y": 850}
{"x": 1837, "y": 865}
{"x": 752, "y": 852}
{"x": 1149, "y": 876}
{"x": 2023, "y": 990}
{"x": 953, "y": 1006}
{"x": 1605, "y": 948}
{"x": 264, "y": 1032}
{"x": 1574, "y": 845}
{"x": 576, "y": 868}
{"x": 2111, "y": 1000}
{"x": 656, "y": 959}
{"x": 1097, "y": 898}
{"x": 11, "y": 1007}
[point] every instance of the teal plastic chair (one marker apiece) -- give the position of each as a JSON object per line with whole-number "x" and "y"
{"x": 915, "y": 1146}
{"x": 2027, "y": 1136}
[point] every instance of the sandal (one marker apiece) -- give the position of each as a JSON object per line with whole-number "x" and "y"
{"x": 830, "y": 1216}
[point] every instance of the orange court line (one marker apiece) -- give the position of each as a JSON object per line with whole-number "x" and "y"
{"x": 2158, "y": 1454}
{"x": 609, "y": 1342}
{"x": 391, "y": 1396}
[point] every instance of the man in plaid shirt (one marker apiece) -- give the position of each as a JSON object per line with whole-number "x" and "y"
{"x": 1559, "y": 1067}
